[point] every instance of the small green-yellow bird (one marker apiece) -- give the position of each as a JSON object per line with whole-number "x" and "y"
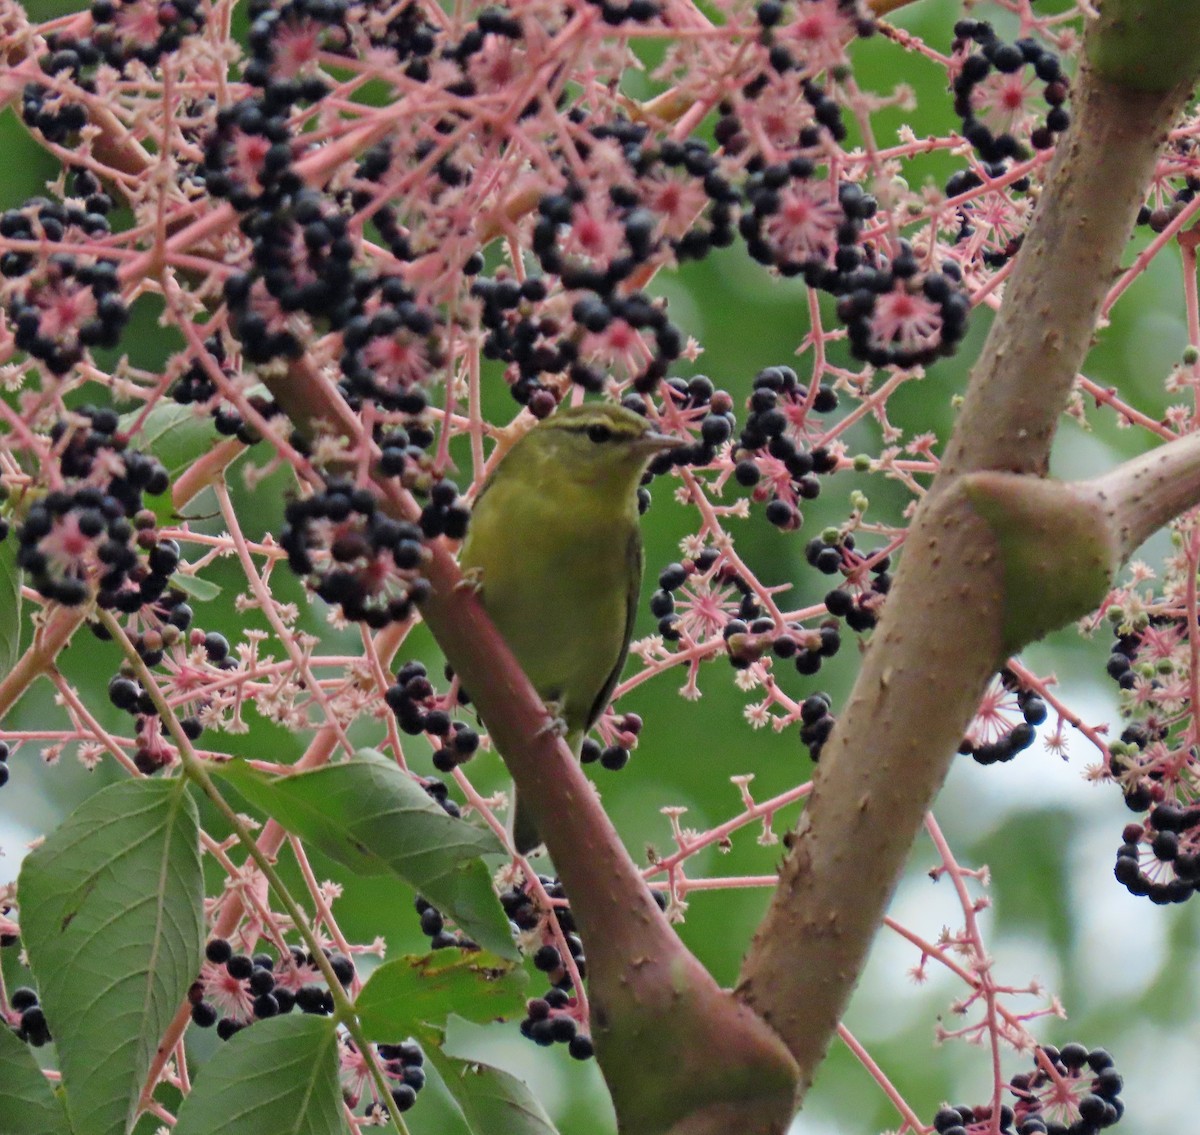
{"x": 555, "y": 548}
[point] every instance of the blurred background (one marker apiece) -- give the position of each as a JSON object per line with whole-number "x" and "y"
{"x": 1126, "y": 972}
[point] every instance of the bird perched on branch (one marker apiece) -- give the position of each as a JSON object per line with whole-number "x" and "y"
{"x": 555, "y": 548}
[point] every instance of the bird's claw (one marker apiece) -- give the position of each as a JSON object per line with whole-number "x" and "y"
{"x": 472, "y": 580}
{"x": 556, "y": 724}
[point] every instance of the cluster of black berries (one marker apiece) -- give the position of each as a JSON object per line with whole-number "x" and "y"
{"x": 402, "y": 454}
{"x": 254, "y": 984}
{"x": 117, "y": 24}
{"x": 5, "y": 752}
{"x": 646, "y": 206}
{"x": 614, "y": 13}
{"x": 674, "y": 576}
{"x": 771, "y": 15}
{"x": 1152, "y": 785}
{"x": 551, "y": 1018}
{"x": 1168, "y": 208}
{"x": 816, "y": 723}
{"x": 65, "y": 306}
{"x": 248, "y": 158}
{"x": 392, "y": 347}
{"x": 83, "y": 216}
{"x": 1092, "y": 1085}
{"x": 533, "y": 343}
{"x": 964, "y": 1120}
{"x": 1006, "y": 58}
{"x": 433, "y": 926}
{"x": 196, "y": 387}
{"x": 72, "y": 541}
{"x": 303, "y": 253}
{"x": 1120, "y": 661}
{"x": 419, "y": 708}
{"x": 1016, "y": 739}
{"x": 320, "y": 24}
{"x": 1160, "y": 859}
{"x": 51, "y": 113}
{"x": 613, "y": 757}
{"x": 85, "y": 538}
{"x": 440, "y": 795}
{"x": 897, "y": 314}
{"x": 403, "y": 1064}
{"x": 787, "y": 473}
{"x": 694, "y": 398}
{"x": 122, "y": 31}
{"x": 834, "y": 552}
{"x": 126, "y": 693}
{"x": 33, "y": 1028}
{"x": 354, "y": 556}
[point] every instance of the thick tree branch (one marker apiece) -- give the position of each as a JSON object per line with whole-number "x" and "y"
{"x": 943, "y": 631}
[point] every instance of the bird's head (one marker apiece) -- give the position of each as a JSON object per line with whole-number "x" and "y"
{"x": 598, "y": 443}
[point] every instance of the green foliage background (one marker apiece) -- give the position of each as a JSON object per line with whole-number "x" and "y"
{"x": 1126, "y": 972}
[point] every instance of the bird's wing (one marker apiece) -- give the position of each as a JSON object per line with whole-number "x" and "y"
{"x": 634, "y": 561}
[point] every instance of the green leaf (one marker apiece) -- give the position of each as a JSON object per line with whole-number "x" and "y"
{"x": 414, "y": 990}
{"x": 278, "y": 1077}
{"x": 375, "y": 820}
{"x": 28, "y": 1105}
{"x": 112, "y": 919}
{"x": 491, "y": 1099}
{"x": 10, "y": 605}
{"x": 175, "y": 434}
{"x": 202, "y": 590}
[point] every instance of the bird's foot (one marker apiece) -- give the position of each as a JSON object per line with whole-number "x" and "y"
{"x": 472, "y": 580}
{"x": 556, "y": 724}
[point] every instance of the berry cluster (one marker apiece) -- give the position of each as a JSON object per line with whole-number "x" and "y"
{"x": 122, "y": 32}
{"x": 1158, "y": 216}
{"x": 83, "y": 216}
{"x": 67, "y": 304}
{"x": 403, "y": 1063}
{"x": 816, "y": 723}
{"x": 392, "y": 347}
{"x": 527, "y": 332}
{"x": 283, "y": 45}
{"x": 433, "y": 926}
{"x": 772, "y": 456}
{"x": 990, "y": 81}
{"x": 1016, "y": 739}
{"x": 126, "y": 693}
{"x": 614, "y": 756}
{"x": 196, "y": 387}
{"x": 555, "y": 1016}
{"x": 857, "y": 600}
{"x": 964, "y": 1120}
{"x": 1152, "y": 761}
{"x": 118, "y": 27}
{"x": 1082, "y": 1097}
{"x": 420, "y": 709}
{"x": 84, "y": 539}
{"x": 234, "y": 990}
{"x": 674, "y": 576}
{"x": 354, "y": 556}
{"x": 5, "y": 753}
{"x": 1160, "y": 858}
{"x": 31, "y": 1026}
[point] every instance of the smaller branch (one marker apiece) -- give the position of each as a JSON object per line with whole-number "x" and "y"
{"x": 1143, "y": 494}
{"x": 40, "y": 657}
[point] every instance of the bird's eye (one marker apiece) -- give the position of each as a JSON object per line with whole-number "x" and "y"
{"x": 599, "y": 434}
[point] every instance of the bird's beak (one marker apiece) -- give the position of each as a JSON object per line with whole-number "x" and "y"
{"x": 655, "y": 442}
